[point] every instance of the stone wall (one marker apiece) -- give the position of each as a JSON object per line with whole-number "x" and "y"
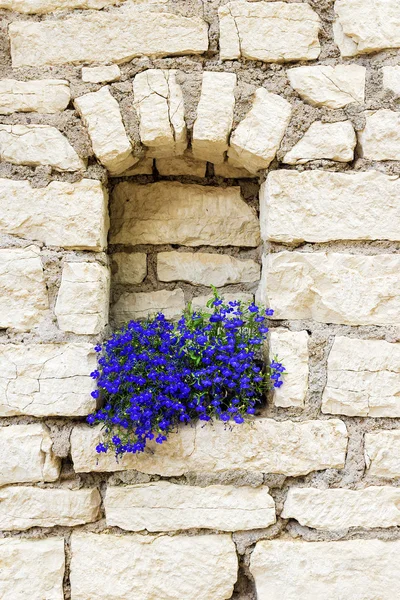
{"x": 149, "y": 149}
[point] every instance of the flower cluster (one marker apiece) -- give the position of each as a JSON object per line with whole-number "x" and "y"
{"x": 154, "y": 375}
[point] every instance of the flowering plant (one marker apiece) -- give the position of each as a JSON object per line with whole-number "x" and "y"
{"x": 154, "y": 375}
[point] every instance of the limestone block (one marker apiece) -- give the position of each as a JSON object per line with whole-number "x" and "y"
{"x": 382, "y": 453}
{"x": 300, "y": 570}
{"x": 26, "y": 455}
{"x": 101, "y": 115}
{"x": 291, "y": 349}
{"x": 327, "y": 287}
{"x": 363, "y": 378}
{"x": 143, "y": 304}
{"x": 23, "y": 295}
{"x": 35, "y": 145}
{"x": 129, "y": 268}
{"x": 229, "y": 172}
{"x": 45, "y": 6}
{"x": 287, "y": 447}
{"x": 256, "y": 139}
{"x": 23, "y": 507}
{"x": 334, "y": 509}
{"x": 319, "y": 206}
{"x": 102, "y": 74}
{"x": 214, "y": 119}
{"x": 330, "y": 86}
{"x": 38, "y": 95}
{"x": 168, "y": 212}
{"x": 200, "y": 302}
{"x": 70, "y": 215}
{"x": 106, "y": 37}
{"x": 109, "y": 566}
{"x": 82, "y": 301}
{"x": 204, "y": 268}
{"x": 364, "y": 26}
{"x": 159, "y": 105}
{"x": 380, "y": 140}
{"x": 46, "y": 379}
{"x": 20, "y": 576}
{"x": 181, "y": 165}
{"x": 391, "y": 79}
{"x": 164, "y": 506}
{"x": 332, "y": 141}
{"x": 143, "y": 167}
{"x": 268, "y": 31}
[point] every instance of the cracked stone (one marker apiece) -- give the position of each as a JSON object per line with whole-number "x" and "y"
{"x": 129, "y": 268}
{"x": 332, "y": 141}
{"x": 143, "y": 304}
{"x": 380, "y": 139}
{"x": 39, "y": 95}
{"x": 382, "y": 454}
{"x": 41, "y": 7}
{"x": 101, "y": 74}
{"x": 290, "y": 348}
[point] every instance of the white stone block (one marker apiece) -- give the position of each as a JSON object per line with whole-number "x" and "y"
{"x": 103, "y": 74}
{"x": 129, "y": 268}
{"x": 382, "y": 453}
{"x": 380, "y": 139}
{"x": 45, "y": 6}
{"x": 37, "y": 95}
{"x": 291, "y": 349}
{"x": 143, "y": 304}
{"x": 332, "y": 141}
{"x": 391, "y": 79}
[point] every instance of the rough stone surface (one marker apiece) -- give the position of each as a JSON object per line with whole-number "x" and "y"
{"x": 269, "y": 31}
{"x": 300, "y": 570}
{"x": 264, "y": 445}
{"x": 20, "y": 576}
{"x": 101, "y": 114}
{"x": 229, "y": 172}
{"x": 101, "y": 74}
{"x": 391, "y": 79}
{"x": 204, "y": 268}
{"x": 23, "y": 295}
{"x": 330, "y": 86}
{"x": 45, "y": 6}
{"x": 129, "y": 268}
{"x": 333, "y": 141}
{"x": 26, "y": 454}
{"x": 46, "y": 379}
{"x": 169, "y": 212}
{"x": 291, "y": 348}
{"x": 181, "y": 165}
{"x": 335, "y": 509}
{"x": 116, "y": 36}
{"x": 159, "y": 104}
{"x": 142, "y": 304}
{"x": 201, "y": 301}
{"x": 363, "y": 378}
{"x": 214, "y": 116}
{"x": 70, "y": 215}
{"x": 82, "y": 301}
{"x": 123, "y": 567}
{"x": 327, "y": 287}
{"x": 38, "y": 95}
{"x": 163, "y": 506}
{"x": 382, "y": 453}
{"x": 143, "y": 167}
{"x": 380, "y": 139}
{"x": 320, "y": 206}
{"x": 256, "y": 139}
{"x": 23, "y": 507}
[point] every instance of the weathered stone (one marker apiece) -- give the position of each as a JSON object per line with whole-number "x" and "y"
{"x": 82, "y": 301}
{"x": 116, "y": 36}
{"x": 391, "y": 79}
{"x": 291, "y": 349}
{"x": 32, "y": 569}
{"x": 340, "y": 509}
{"x": 269, "y": 31}
{"x": 229, "y": 172}
{"x": 35, "y": 145}
{"x": 101, "y": 74}
{"x": 169, "y": 212}
{"x": 332, "y": 141}
{"x": 142, "y": 304}
{"x": 299, "y": 570}
{"x": 143, "y": 167}
{"x": 164, "y": 506}
{"x": 38, "y": 95}
{"x": 364, "y": 26}
{"x": 203, "y": 268}
{"x": 101, "y": 114}
{"x": 330, "y": 86}
{"x": 159, "y": 104}
{"x": 46, "y": 379}
{"x": 319, "y": 206}
{"x": 23, "y": 507}
{"x": 181, "y": 165}
{"x": 382, "y": 453}
{"x": 200, "y": 302}
{"x": 129, "y": 268}
{"x": 214, "y": 120}
{"x": 263, "y": 445}
{"x": 124, "y": 567}
{"x": 256, "y": 139}
{"x": 26, "y": 455}
{"x": 363, "y": 378}
{"x": 46, "y": 6}
{"x": 70, "y": 215}
{"x": 327, "y": 287}
{"x": 23, "y": 296}
{"x": 380, "y": 140}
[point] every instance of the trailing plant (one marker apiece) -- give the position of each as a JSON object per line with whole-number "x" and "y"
{"x": 154, "y": 375}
